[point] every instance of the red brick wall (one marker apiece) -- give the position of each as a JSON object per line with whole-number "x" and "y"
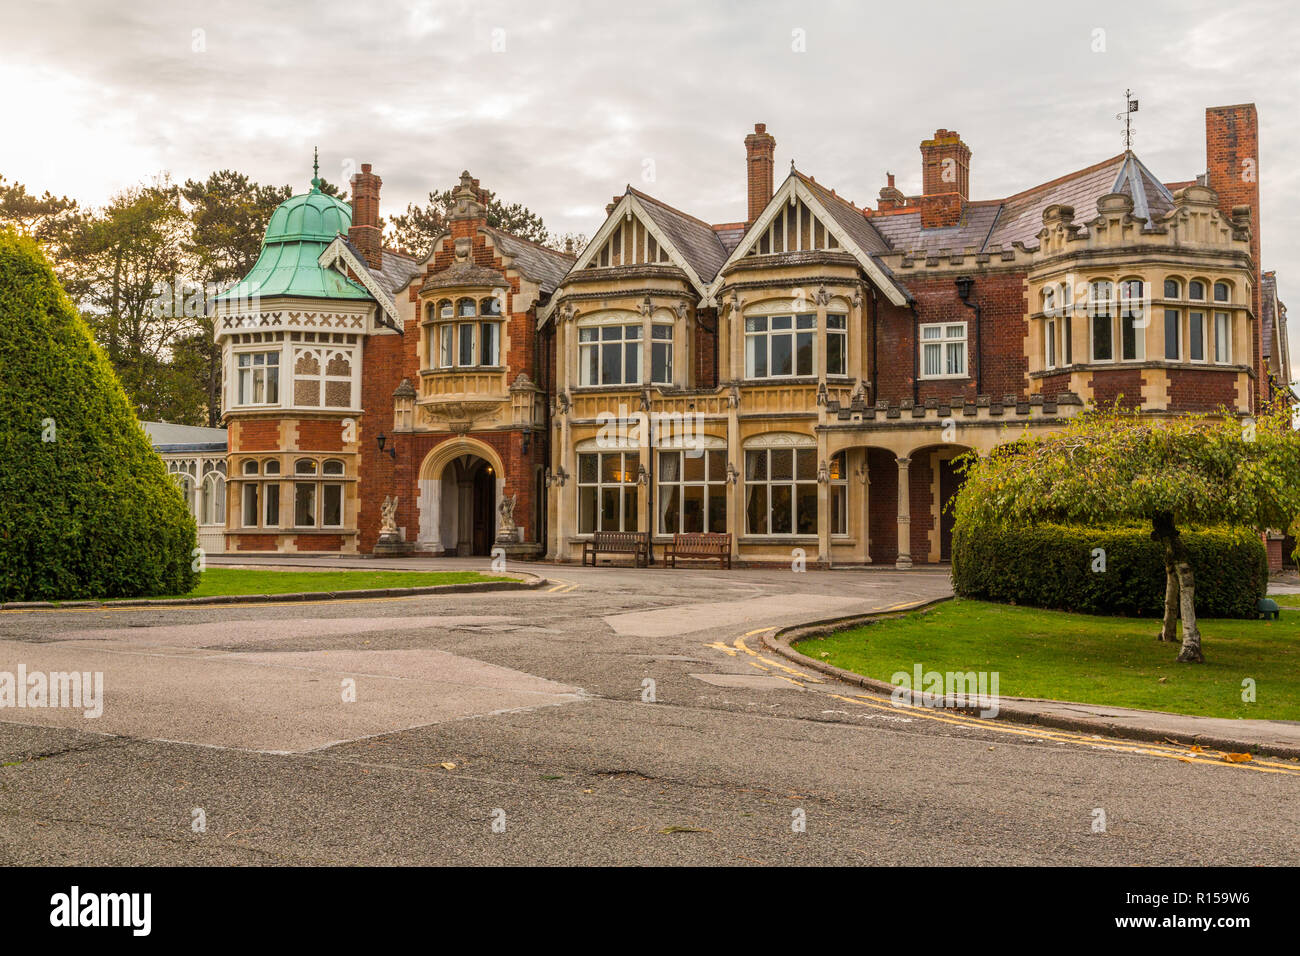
{"x": 1232, "y": 164}
{"x": 705, "y": 348}
{"x": 883, "y": 505}
{"x": 1124, "y": 384}
{"x": 920, "y": 493}
{"x": 255, "y": 436}
{"x": 253, "y": 542}
{"x": 318, "y": 542}
{"x": 1001, "y": 297}
{"x": 320, "y": 435}
{"x": 1201, "y": 390}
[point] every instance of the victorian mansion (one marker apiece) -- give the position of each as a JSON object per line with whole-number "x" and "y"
{"x": 830, "y": 359}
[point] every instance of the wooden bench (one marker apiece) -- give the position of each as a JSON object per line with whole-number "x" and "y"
{"x": 699, "y": 547}
{"x": 635, "y": 543}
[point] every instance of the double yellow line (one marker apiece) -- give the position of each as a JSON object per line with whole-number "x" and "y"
{"x": 563, "y": 587}
{"x": 1179, "y": 752}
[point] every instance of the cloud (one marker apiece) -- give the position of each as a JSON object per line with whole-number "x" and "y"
{"x": 559, "y": 106}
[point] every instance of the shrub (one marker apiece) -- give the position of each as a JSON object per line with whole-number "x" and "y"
{"x": 1050, "y": 566}
{"x": 93, "y": 512}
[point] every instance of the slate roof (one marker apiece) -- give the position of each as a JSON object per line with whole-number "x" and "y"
{"x": 849, "y": 217}
{"x": 164, "y": 436}
{"x": 546, "y": 267}
{"x": 695, "y": 240}
{"x": 904, "y": 233}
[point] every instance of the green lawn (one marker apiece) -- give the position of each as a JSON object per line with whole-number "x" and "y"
{"x": 1287, "y": 600}
{"x": 1077, "y": 657}
{"x": 227, "y": 581}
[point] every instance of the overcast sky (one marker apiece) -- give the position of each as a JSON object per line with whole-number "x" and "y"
{"x": 559, "y": 106}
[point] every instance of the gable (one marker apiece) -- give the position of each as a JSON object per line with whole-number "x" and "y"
{"x": 631, "y": 235}
{"x": 796, "y": 220}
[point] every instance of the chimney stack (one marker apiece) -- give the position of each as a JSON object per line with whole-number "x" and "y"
{"x": 760, "y": 162}
{"x": 1232, "y": 171}
{"x": 891, "y": 197}
{"x": 367, "y": 233}
{"x": 945, "y": 165}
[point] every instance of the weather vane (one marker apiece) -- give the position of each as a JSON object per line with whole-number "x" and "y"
{"x": 1131, "y": 107}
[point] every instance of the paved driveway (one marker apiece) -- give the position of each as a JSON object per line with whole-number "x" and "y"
{"x": 618, "y": 715}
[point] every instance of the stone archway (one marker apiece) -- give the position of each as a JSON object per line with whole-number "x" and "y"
{"x": 460, "y": 483}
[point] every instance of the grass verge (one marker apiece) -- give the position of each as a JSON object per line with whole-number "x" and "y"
{"x": 240, "y": 581}
{"x": 1076, "y": 657}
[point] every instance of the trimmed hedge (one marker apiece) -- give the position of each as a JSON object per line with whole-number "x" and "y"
{"x": 92, "y": 513}
{"x": 1050, "y": 566}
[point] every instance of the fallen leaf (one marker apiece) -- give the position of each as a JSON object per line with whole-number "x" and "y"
{"x": 447, "y": 765}
{"x": 1238, "y": 758}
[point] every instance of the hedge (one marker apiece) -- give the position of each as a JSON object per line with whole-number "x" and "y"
{"x": 1051, "y": 566}
{"x": 93, "y": 512}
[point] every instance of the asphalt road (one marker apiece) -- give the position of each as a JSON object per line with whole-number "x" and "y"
{"x": 619, "y": 716}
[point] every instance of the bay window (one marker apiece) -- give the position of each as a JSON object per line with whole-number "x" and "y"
{"x": 943, "y": 350}
{"x": 1100, "y": 311}
{"x": 317, "y": 503}
{"x": 466, "y": 336}
{"x": 607, "y": 491}
{"x": 1196, "y": 336}
{"x": 1132, "y": 321}
{"x": 692, "y": 491}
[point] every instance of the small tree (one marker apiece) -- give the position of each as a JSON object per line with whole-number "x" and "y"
{"x": 1112, "y": 466}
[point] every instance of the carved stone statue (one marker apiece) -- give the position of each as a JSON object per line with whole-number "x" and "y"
{"x": 388, "y": 515}
{"x": 506, "y": 511}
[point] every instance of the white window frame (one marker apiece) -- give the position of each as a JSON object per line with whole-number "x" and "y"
{"x": 598, "y": 341}
{"x": 841, "y": 333}
{"x": 1049, "y": 343}
{"x": 1205, "y": 339}
{"x": 1177, "y": 315}
{"x": 944, "y": 342}
{"x": 799, "y": 328}
{"x": 1226, "y": 340}
{"x": 1137, "y": 306}
{"x": 661, "y": 344}
{"x": 246, "y": 376}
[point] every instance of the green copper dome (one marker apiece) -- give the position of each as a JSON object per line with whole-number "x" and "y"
{"x": 300, "y": 229}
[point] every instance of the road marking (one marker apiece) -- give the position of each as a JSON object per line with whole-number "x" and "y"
{"x": 1173, "y": 752}
{"x": 563, "y": 587}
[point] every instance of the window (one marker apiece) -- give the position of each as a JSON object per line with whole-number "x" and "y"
{"x": 1173, "y": 335}
{"x": 213, "y": 500}
{"x": 259, "y": 378}
{"x": 1049, "y": 300}
{"x": 607, "y": 491}
{"x": 610, "y": 355}
{"x": 779, "y": 346}
{"x": 1196, "y": 336}
{"x": 271, "y": 506}
{"x": 1050, "y": 343}
{"x": 304, "y": 466}
{"x": 1222, "y": 337}
{"x": 839, "y": 496}
{"x": 272, "y": 467}
{"x": 250, "y": 467}
{"x": 1221, "y": 292}
{"x": 837, "y": 345}
{"x": 249, "y": 515}
{"x": 1173, "y": 288}
{"x": 333, "y": 467}
{"x": 692, "y": 491}
{"x": 465, "y": 344}
{"x": 304, "y": 504}
{"x": 1100, "y": 310}
{"x": 1132, "y": 321}
{"x": 661, "y": 354}
{"x": 781, "y": 491}
{"x": 1196, "y": 290}
{"x": 943, "y": 351}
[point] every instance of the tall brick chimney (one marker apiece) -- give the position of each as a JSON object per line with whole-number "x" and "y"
{"x": 891, "y": 197}
{"x": 366, "y": 233}
{"x": 1232, "y": 171}
{"x": 760, "y": 161}
{"x": 945, "y": 165}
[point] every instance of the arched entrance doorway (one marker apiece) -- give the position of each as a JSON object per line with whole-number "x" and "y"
{"x": 460, "y": 485}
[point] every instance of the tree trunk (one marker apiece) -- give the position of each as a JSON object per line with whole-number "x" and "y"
{"x": 1191, "y": 652}
{"x": 1180, "y": 590}
{"x": 1169, "y": 629}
